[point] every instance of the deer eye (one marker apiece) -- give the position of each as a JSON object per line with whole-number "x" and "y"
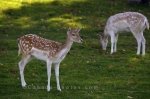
{"x": 73, "y": 35}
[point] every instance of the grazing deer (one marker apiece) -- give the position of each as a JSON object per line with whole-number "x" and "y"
{"x": 47, "y": 50}
{"x": 130, "y": 22}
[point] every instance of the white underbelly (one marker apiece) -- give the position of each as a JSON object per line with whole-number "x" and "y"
{"x": 122, "y": 26}
{"x": 39, "y": 54}
{"x": 43, "y": 55}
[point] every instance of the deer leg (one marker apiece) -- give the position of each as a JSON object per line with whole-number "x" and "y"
{"x": 116, "y": 39}
{"x": 49, "y": 64}
{"x": 139, "y": 47}
{"x": 57, "y": 75}
{"x": 112, "y": 42}
{"x": 22, "y": 65}
{"x": 139, "y": 40}
{"x": 143, "y": 45}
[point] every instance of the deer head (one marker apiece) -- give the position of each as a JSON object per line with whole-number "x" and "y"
{"x": 74, "y": 36}
{"x": 103, "y": 41}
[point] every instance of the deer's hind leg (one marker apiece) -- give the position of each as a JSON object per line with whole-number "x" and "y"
{"x": 25, "y": 59}
{"x": 143, "y": 44}
{"x": 138, "y": 37}
{"x": 49, "y": 65}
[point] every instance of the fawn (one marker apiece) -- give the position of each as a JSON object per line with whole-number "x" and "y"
{"x": 51, "y": 52}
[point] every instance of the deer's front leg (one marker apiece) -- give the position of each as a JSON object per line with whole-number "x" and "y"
{"x": 57, "y": 75}
{"x": 112, "y": 42}
{"x": 116, "y": 39}
{"x": 49, "y": 64}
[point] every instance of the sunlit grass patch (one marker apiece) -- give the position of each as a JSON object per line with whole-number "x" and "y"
{"x": 25, "y": 22}
{"x": 68, "y": 20}
{"x": 9, "y": 4}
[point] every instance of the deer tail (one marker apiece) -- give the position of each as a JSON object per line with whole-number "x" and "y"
{"x": 19, "y": 48}
{"x": 147, "y": 24}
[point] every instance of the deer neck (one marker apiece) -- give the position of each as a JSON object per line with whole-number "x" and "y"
{"x": 68, "y": 44}
{"x": 105, "y": 35}
{"x": 65, "y": 48}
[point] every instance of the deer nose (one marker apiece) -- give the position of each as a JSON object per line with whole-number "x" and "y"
{"x": 81, "y": 40}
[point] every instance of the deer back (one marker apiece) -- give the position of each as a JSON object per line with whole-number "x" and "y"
{"x": 131, "y": 21}
{"x": 29, "y": 41}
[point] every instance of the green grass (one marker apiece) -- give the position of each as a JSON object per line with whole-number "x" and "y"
{"x": 87, "y": 71}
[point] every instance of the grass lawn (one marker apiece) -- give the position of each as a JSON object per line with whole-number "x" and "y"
{"x": 87, "y": 72}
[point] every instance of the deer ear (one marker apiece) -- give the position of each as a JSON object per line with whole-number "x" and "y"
{"x": 78, "y": 30}
{"x": 69, "y": 29}
{"x": 99, "y": 35}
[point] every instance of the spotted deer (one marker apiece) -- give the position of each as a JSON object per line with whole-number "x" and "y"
{"x": 51, "y": 52}
{"x": 130, "y": 22}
